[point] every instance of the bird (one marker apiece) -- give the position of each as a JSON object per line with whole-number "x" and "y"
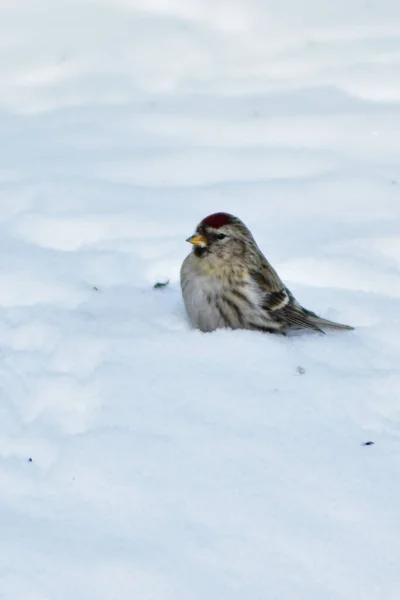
{"x": 227, "y": 283}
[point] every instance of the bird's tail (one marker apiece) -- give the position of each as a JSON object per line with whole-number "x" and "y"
{"x": 319, "y": 322}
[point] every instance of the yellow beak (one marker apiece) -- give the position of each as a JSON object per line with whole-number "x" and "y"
{"x": 198, "y": 240}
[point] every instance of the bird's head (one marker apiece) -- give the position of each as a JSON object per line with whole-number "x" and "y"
{"x": 222, "y": 236}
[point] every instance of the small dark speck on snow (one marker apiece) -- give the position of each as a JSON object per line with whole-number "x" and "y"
{"x": 300, "y": 370}
{"x": 161, "y": 284}
{"x": 30, "y": 460}
{"x": 368, "y": 443}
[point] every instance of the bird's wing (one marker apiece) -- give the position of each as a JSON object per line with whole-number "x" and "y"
{"x": 284, "y": 308}
{"x": 295, "y": 317}
{"x": 275, "y": 301}
{"x": 279, "y": 302}
{"x": 267, "y": 278}
{"x": 281, "y": 305}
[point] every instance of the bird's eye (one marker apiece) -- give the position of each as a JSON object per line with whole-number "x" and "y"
{"x": 221, "y": 236}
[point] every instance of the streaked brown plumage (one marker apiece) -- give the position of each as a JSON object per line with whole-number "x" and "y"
{"x": 228, "y": 283}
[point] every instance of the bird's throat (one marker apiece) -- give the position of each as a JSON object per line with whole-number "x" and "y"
{"x": 200, "y": 251}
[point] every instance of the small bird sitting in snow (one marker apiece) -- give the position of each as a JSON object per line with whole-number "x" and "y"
{"x": 228, "y": 283}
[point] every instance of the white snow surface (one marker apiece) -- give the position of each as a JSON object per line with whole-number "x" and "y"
{"x": 140, "y": 459}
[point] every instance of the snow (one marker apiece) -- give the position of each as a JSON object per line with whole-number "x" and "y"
{"x": 141, "y": 459}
